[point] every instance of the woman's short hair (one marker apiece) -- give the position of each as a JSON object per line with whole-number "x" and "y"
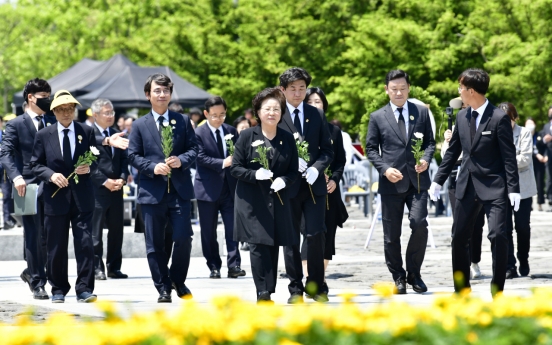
{"x": 509, "y": 109}
{"x": 320, "y": 93}
{"x": 239, "y": 120}
{"x": 267, "y": 93}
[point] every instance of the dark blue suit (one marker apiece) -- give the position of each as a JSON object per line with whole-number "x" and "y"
{"x": 214, "y": 188}
{"x": 71, "y": 205}
{"x": 158, "y": 205}
{"x": 17, "y": 149}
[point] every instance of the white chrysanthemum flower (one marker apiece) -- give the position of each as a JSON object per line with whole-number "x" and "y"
{"x": 418, "y": 135}
{"x": 228, "y": 136}
{"x": 94, "y": 150}
{"x": 296, "y": 135}
{"x": 257, "y": 143}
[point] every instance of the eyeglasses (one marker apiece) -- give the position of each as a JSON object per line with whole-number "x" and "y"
{"x": 271, "y": 110}
{"x": 221, "y": 117}
{"x": 108, "y": 114}
{"x": 158, "y": 92}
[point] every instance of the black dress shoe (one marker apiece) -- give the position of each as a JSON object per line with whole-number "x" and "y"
{"x": 40, "y": 293}
{"x": 321, "y": 298}
{"x": 235, "y": 272}
{"x": 295, "y": 298}
{"x": 511, "y": 273}
{"x": 524, "y": 268}
{"x": 182, "y": 291}
{"x": 215, "y": 274}
{"x": 164, "y": 297}
{"x": 117, "y": 275}
{"x": 26, "y": 277}
{"x": 9, "y": 225}
{"x": 401, "y": 286}
{"x": 417, "y": 283}
{"x": 263, "y": 296}
{"x": 99, "y": 275}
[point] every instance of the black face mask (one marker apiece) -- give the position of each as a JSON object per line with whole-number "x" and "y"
{"x": 43, "y": 104}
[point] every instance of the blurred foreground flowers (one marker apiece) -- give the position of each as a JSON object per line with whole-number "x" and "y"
{"x": 229, "y": 320}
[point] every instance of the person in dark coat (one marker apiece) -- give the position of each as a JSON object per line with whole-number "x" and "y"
{"x": 336, "y": 212}
{"x": 262, "y": 213}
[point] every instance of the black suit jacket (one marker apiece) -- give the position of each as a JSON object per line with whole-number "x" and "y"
{"x": 210, "y": 175}
{"x": 316, "y": 133}
{"x": 255, "y": 218}
{"x": 109, "y": 166}
{"x": 490, "y": 159}
{"x": 386, "y": 148}
{"x": 545, "y": 130}
{"x": 47, "y": 159}
{"x": 339, "y": 159}
{"x": 17, "y": 146}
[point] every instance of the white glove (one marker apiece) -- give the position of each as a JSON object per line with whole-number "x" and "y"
{"x": 311, "y": 175}
{"x": 434, "y": 191}
{"x": 302, "y": 165}
{"x": 278, "y": 184}
{"x": 263, "y": 174}
{"x": 515, "y": 199}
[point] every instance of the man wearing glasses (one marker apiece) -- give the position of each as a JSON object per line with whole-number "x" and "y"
{"x": 109, "y": 179}
{"x": 402, "y": 181}
{"x": 214, "y": 188}
{"x": 165, "y": 198}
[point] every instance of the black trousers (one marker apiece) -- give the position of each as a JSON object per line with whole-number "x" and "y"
{"x": 303, "y": 205}
{"x": 264, "y": 266}
{"x": 523, "y": 230}
{"x": 57, "y": 228}
{"x": 465, "y": 215}
{"x": 540, "y": 172}
{"x": 549, "y": 182}
{"x": 477, "y": 235}
{"x": 392, "y": 209}
{"x": 175, "y": 210}
{"x": 36, "y": 249}
{"x": 7, "y": 201}
{"x": 109, "y": 210}
{"x": 208, "y": 221}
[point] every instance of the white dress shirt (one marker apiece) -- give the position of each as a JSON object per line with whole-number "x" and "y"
{"x": 33, "y": 116}
{"x": 165, "y": 118}
{"x": 222, "y": 134}
{"x": 291, "y": 109}
{"x": 71, "y": 136}
{"x": 480, "y": 111}
{"x": 404, "y": 113}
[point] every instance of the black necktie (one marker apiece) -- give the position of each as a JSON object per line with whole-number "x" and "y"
{"x": 219, "y": 143}
{"x": 160, "y": 120}
{"x": 67, "y": 149}
{"x": 109, "y": 150}
{"x": 297, "y": 122}
{"x": 473, "y": 124}
{"x": 402, "y": 126}
{"x": 40, "y": 123}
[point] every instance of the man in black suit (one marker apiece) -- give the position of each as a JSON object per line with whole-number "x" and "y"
{"x": 389, "y": 143}
{"x": 309, "y": 193}
{"x": 109, "y": 178}
{"x": 165, "y": 198}
{"x": 546, "y": 135}
{"x": 487, "y": 178}
{"x": 17, "y": 149}
{"x": 214, "y": 188}
{"x": 7, "y": 198}
{"x": 56, "y": 151}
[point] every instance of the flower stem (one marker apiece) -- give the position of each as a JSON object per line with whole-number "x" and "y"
{"x": 168, "y": 184}
{"x": 418, "y": 183}
{"x": 312, "y": 194}
{"x": 327, "y": 203}
{"x": 278, "y": 194}
{"x": 68, "y": 178}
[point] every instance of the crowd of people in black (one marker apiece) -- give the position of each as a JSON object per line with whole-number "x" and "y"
{"x": 272, "y": 176}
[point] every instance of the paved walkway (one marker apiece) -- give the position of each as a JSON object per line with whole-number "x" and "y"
{"x": 354, "y": 269}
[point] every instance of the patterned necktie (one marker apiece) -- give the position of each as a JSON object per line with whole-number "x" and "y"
{"x": 219, "y": 143}
{"x": 40, "y": 123}
{"x": 297, "y": 122}
{"x": 402, "y": 126}
{"x": 473, "y": 124}
{"x": 160, "y": 121}
{"x": 67, "y": 158}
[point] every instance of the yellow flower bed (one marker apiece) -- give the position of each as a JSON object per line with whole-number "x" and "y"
{"x": 229, "y": 320}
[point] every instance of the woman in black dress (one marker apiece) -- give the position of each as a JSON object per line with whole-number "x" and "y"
{"x": 336, "y": 213}
{"x": 261, "y": 218}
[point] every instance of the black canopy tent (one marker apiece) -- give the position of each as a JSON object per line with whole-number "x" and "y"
{"x": 119, "y": 80}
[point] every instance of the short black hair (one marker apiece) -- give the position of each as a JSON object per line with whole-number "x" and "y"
{"x": 509, "y": 109}
{"x": 159, "y": 79}
{"x": 195, "y": 111}
{"x": 320, "y": 93}
{"x": 476, "y": 79}
{"x": 177, "y": 108}
{"x": 294, "y": 74}
{"x": 240, "y": 119}
{"x": 270, "y": 92}
{"x": 396, "y": 74}
{"x": 215, "y": 100}
{"x": 35, "y": 85}
{"x": 337, "y": 124}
